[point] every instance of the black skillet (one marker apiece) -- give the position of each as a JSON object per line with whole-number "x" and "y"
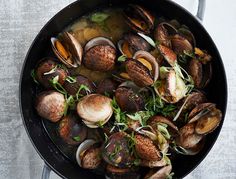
{"x": 49, "y": 152}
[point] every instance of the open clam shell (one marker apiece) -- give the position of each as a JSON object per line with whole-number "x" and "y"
{"x": 132, "y": 43}
{"x": 139, "y": 19}
{"x": 149, "y": 58}
{"x": 68, "y": 50}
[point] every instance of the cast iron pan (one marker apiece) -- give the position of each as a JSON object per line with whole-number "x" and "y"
{"x": 49, "y": 152}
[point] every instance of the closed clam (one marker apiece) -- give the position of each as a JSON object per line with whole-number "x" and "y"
{"x": 73, "y": 87}
{"x": 99, "y": 54}
{"x": 95, "y": 110}
{"x": 67, "y": 49}
{"x": 50, "y": 105}
{"x": 116, "y": 151}
{"x": 128, "y": 98}
{"x": 47, "y": 69}
{"x": 71, "y": 130}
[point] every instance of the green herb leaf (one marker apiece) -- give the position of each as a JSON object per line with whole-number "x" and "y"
{"x": 33, "y": 75}
{"x": 71, "y": 79}
{"x": 120, "y": 117}
{"x": 77, "y": 138}
{"x": 56, "y": 85}
{"x": 122, "y": 58}
{"x": 163, "y": 130}
{"x": 99, "y": 17}
{"x": 137, "y": 162}
{"x": 148, "y": 39}
{"x": 82, "y": 87}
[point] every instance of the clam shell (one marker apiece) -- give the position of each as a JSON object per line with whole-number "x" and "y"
{"x": 147, "y": 56}
{"x": 94, "y": 108}
{"x": 75, "y": 49}
{"x": 82, "y": 147}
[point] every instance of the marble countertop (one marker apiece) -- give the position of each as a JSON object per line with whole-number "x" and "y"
{"x": 21, "y": 20}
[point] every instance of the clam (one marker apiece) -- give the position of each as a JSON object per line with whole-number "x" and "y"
{"x": 162, "y": 173}
{"x": 116, "y": 150}
{"x": 190, "y": 151}
{"x": 72, "y": 131}
{"x": 142, "y": 69}
{"x": 139, "y": 19}
{"x": 47, "y": 69}
{"x": 128, "y": 98}
{"x": 73, "y": 87}
{"x": 67, "y": 49}
{"x": 50, "y": 105}
{"x": 113, "y": 172}
{"x": 88, "y": 154}
{"x": 100, "y": 54}
{"x": 186, "y": 33}
{"x": 155, "y": 120}
{"x": 168, "y": 54}
{"x": 187, "y": 137}
{"x": 106, "y": 86}
{"x": 193, "y": 100}
{"x": 163, "y": 32}
{"x": 95, "y": 110}
{"x": 132, "y": 43}
{"x": 146, "y": 149}
{"x": 181, "y": 45}
{"x": 200, "y": 72}
{"x": 172, "y": 87}
{"x": 206, "y": 116}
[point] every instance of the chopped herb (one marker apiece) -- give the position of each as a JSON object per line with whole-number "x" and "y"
{"x": 56, "y": 85}
{"x": 120, "y": 117}
{"x": 71, "y": 79}
{"x": 106, "y": 137}
{"x": 77, "y": 138}
{"x": 141, "y": 116}
{"x": 186, "y": 117}
{"x": 168, "y": 109}
{"x": 131, "y": 144}
{"x": 148, "y": 39}
{"x": 70, "y": 103}
{"x": 33, "y": 75}
{"x": 137, "y": 162}
{"x": 82, "y": 87}
{"x": 122, "y": 58}
{"x": 106, "y": 94}
{"x": 162, "y": 128}
{"x": 170, "y": 176}
{"x": 99, "y": 17}
{"x": 117, "y": 149}
{"x": 100, "y": 123}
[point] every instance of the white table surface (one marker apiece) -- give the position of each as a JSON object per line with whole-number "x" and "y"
{"x": 21, "y": 20}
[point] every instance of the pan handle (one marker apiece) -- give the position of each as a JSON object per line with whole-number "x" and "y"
{"x": 201, "y": 9}
{"x": 46, "y": 172}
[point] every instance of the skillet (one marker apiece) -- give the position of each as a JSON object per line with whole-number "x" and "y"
{"x": 48, "y": 151}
